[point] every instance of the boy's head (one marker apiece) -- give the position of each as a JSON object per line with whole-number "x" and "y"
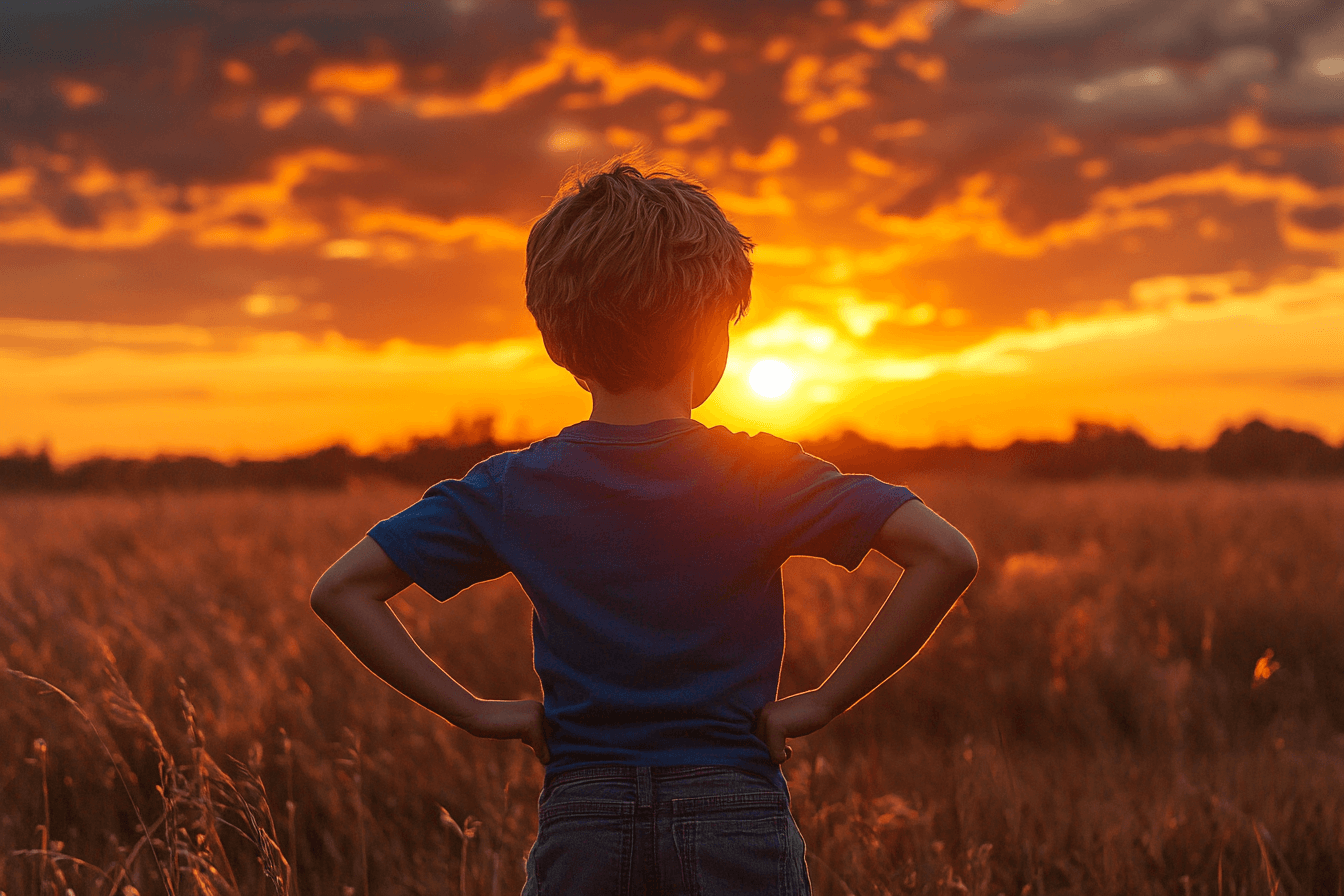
{"x": 632, "y": 276}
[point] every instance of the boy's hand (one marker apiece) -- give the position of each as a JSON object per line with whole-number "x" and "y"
{"x": 523, "y": 720}
{"x": 791, "y": 717}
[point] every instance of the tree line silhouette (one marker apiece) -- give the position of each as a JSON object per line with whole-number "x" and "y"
{"x": 1254, "y": 450}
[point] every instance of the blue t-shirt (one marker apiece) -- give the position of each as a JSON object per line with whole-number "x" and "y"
{"x": 651, "y": 555}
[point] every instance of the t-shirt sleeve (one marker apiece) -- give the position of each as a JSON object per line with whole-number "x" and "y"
{"x": 809, "y": 508}
{"x": 445, "y": 541}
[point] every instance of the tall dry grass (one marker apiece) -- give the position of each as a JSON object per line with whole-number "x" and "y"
{"x": 1091, "y": 724}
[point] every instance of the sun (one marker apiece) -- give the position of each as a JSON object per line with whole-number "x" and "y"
{"x": 770, "y": 378}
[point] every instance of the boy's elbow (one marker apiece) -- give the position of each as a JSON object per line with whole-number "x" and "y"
{"x": 960, "y": 559}
{"x": 325, "y": 596}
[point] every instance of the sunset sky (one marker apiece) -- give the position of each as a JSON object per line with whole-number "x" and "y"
{"x": 251, "y": 227}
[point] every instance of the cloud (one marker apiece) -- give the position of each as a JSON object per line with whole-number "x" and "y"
{"x": 1159, "y": 28}
{"x": 128, "y": 210}
{"x": 781, "y": 153}
{"x": 359, "y": 79}
{"x": 821, "y": 89}
{"x": 1162, "y": 92}
{"x": 485, "y": 233}
{"x": 84, "y": 333}
{"x": 1055, "y": 20}
{"x": 1315, "y": 91}
{"x": 1289, "y": 195}
{"x": 770, "y": 200}
{"x": 568, "y": 58}
{"x": 78, "y": 94}
{"x": 976, "y": 217}
{"x": 912, "y": 23}
{"x": 701, "y": 125}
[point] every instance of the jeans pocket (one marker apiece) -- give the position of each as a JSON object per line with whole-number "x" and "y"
{"x": 737, "y": 844}
{"x": 583, "y": 846}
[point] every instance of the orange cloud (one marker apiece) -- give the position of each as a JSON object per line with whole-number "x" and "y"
{"x": 784, "y": 256}
{"x": 900, "y": 130}
{"x": 277, "y": 112}
{"x": 237, "y": 71}
{"x": 358, "y": 79}
{"x": 769, "y": 200}
{"x": 86, "y": 333}
{"x": 1226, "y": 180}
{"x": 781, "y": 153}
{"x": 260, "y": 214}
{"x": 932, "y": 69}
{"x": 17, "y": 182}
{"x": 484, "y": 232}
{"x": 976, "y": 216}
{"x": 135, "y": 211}
{"x": 567, "y": 57}
{"x": 910, "y": 23}
{"x": 1284, "y": 190}
{"x": 340, "y": 107}
{"x": 78, "y": 94}
{"x": 822, "y": 91}
{"x": 138, "y": 220}
{"x": 700, "y": 126}
{"x": 1245, "y": 130}
{"x": 868, "y": 163}
{"x": 624, "y": 138}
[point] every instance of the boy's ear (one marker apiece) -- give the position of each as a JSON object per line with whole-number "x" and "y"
{"x": 583, "y": 384}
{"x": 709, "y": 366}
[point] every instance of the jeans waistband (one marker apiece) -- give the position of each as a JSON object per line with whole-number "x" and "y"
{"x": 645, "y": 775}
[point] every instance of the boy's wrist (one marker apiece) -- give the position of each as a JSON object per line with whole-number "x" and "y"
{"x": 830, "y": 702}
{"x": 465, "y": 715}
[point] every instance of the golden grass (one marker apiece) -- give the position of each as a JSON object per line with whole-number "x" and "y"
{"x": 1105, "y": 718}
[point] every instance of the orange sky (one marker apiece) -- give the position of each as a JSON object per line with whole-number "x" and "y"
{"x": 251, "y": 228}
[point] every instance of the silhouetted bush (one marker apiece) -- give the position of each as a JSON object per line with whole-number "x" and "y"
{"x": 1258, "y": 449}
{"x": 23, "y": 471}
{"x": 1096, "y": 449}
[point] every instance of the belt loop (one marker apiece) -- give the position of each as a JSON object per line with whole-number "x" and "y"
{"x": 643, "y": 787}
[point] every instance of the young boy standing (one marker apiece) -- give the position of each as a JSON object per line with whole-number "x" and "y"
{"x": 650, "y": 547}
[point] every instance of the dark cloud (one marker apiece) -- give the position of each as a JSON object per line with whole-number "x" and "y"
{"x": 1320, "y": 217}
{"x": 1062, "y": 22}
{"x": 1176, "y": 28}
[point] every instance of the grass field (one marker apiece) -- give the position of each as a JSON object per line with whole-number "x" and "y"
{"x": 1103, "y": 717}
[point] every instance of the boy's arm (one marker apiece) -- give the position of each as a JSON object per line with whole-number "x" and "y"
{"x": 351, "y": 598}
{"x": 939, "y": 563}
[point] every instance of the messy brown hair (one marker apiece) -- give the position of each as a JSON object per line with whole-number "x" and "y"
{"x": 628, "y": 272}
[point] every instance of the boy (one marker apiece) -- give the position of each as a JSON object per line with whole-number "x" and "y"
{"x": 651, "y": 548}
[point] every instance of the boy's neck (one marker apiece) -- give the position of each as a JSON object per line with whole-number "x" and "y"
{"x": 642, "y": 405}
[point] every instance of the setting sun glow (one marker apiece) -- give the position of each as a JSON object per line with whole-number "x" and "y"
{"x": 770, "y": 379}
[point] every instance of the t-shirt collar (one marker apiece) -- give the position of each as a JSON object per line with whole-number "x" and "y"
{"x": 593, "y": 431}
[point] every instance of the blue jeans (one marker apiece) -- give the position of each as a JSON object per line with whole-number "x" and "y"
{"x": 699, "y": 830}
